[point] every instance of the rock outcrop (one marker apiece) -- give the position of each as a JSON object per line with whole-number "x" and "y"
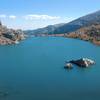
{"x": 10, "y": 36}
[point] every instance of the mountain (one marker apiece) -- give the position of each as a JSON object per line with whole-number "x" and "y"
{"x": 50, "y": 29}
{"x": 93, "y": 18}
{"x": 10, "y": 36}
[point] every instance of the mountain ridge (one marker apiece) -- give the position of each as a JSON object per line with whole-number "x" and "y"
{"x": 92, "y": 18}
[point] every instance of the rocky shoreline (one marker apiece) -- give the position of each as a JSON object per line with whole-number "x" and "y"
{"x": 10, "y": 36}
{"x": 90, "y": 33}
{"x": 83, "y": 37}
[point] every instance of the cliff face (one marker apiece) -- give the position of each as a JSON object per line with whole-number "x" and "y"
{"x": 10, "y": 36}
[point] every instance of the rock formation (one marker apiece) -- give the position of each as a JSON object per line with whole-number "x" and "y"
{"x": 10, "y": 36}
{"x": 83, "y": 62}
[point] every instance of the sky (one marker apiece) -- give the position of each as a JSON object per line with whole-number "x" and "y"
{"x": 32, "y": 14}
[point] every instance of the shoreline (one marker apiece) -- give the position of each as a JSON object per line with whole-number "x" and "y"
{"x": 86, "y": 38}
{"x": 93, "y": 41}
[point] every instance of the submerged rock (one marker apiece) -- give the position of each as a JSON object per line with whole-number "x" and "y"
{"x": 83, "y": 62}
{"x": 3, "y": 94}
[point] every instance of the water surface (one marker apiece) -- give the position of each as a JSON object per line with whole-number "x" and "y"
{"x": 33, "y": 70}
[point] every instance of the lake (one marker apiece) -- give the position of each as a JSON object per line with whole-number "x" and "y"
{"x": 33, "y": 70}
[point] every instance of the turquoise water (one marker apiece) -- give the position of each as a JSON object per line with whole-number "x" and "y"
{"x": 33, "y": 70}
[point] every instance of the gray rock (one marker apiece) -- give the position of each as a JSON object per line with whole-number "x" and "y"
{"x": 68, "y": 66}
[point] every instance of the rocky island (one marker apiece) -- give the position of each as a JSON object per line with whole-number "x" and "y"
{"x": 82, "y": 62}
{"x": 10, "y": 36}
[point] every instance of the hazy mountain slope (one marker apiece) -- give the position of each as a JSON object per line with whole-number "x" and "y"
{"x": 84, "y": 21}
{"x": 46, "y": 30}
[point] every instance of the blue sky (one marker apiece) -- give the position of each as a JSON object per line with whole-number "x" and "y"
{"x": 31, "y": 14}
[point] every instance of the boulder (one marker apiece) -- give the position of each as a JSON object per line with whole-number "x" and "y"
{"x": 68, "y": 66}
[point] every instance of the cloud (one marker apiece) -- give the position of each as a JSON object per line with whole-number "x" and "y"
{"x": 40, "y": 17}
{"x": 31, "y": 17}
{"x": 3, "y": 16}
{"x": 12, "y": 17}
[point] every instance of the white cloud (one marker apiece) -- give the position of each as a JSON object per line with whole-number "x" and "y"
{"x": 41, "y": 17}
{"x": 12, "y": 17}
{"x": 2, "y": 16}
{"x": 31, "y": 17}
